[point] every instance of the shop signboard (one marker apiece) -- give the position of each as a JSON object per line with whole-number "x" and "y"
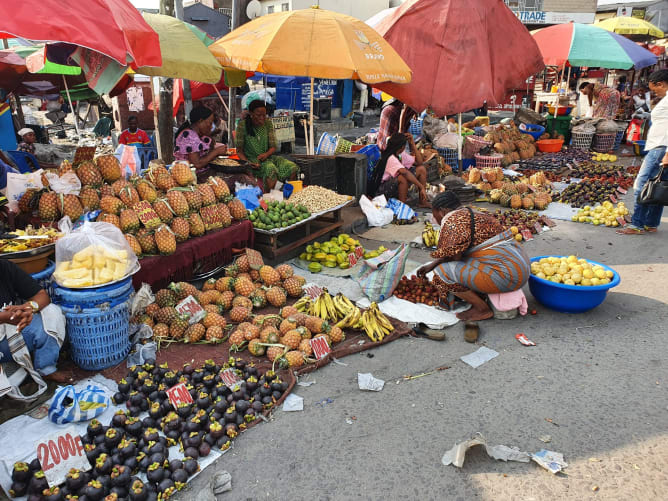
{"x": 284, "y": 127}
{"x": 542, "y": 17}
{"x": 321, "y": 88}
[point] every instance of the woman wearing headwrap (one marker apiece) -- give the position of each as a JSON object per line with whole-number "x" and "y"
{"x": 193, "y": 142}
{"x": 474, "y": 256}
{"x": 256, "y": 143}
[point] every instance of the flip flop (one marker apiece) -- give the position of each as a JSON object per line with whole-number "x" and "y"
{"x": 650, "y": 229}
{"x": 631, "y": 231}
{"x": 433, "y": 334}
{"x": 471, "y": 332}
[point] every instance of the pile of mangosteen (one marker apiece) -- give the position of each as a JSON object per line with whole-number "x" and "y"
{"x": 589, "y": 192}
{"x": 131, "y": 445}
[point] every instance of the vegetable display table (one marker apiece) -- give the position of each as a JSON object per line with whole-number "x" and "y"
{"x": 196, "y": 258}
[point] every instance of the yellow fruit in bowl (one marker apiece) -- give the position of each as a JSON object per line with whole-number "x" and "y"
{"x": 576, "y": 277}
{"x": 541, "y": 275}
{"x": 609, "y": 274}
{"x": 600, "y": 273}
{"x": 569, "y": 282}
{"x": 588, "y": 274}
{"x": 572, "y": 259}
{"x": 585, "y": 281}
{"x": 595, "y": 281}
{"x": 543, "y": 260}
{"x": 604, "y": 281}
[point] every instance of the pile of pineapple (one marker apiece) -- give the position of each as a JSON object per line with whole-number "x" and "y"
{"x": 518, "y": 196}
{"x": 174, "y": 195}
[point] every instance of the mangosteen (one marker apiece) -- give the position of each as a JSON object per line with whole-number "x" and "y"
{"x": 203, "y": 401}
{"x": 52, "y": 494}
{"x": 99, "y": 439}
{"x": 144, "y": 461}
{"x": 266, "y": 401}
{"x": 188, "y": 369}
{"x": 257, "y": 406}
{"x": 209, "y": 439}
{"x": 112, "y": 496}
{"x": 242, "y": 405}
{"x": 127, "y": 449}
{"x": 116, "y": 457}
{"x": 136, "y": 399}
{"x": 172, "y": 434}
{"x": 251, "y": 384}
{"x": 92, "y": 452}
{"x": 269, "y": 375}
{"x": 193, "y": 425}
{"x": 138, "y": 491}
{"x": 37, "y": 483}
{"x": 230, "y": 414}
{"x": 112, "y": 437}
{"x": 134, "y": 411}
{"x": 155, "y": 473}
{"x": 240, "y": 419}
{"x": 183, "y": 410}
{"x": 197, "y": 376}
{"x": 103, "y": 465}
{"x": 224, "y": 443}
{"x": 180, "y": 476}
{"x": 190, "y": 465}
{"x": 204, "y": 449}
{"x": 105, "y": 480}
{"x": 166, "y": 488}
{"x": 157, "y": 457}
{"x": 216, "y": 429}
{"x": 119, "y": 419}
{"x": 133, "y": 426}
{"x": 121, "y": 491}
{"x": 194, "y": 440}
{"x": 120, "y": 476}
{"x": 276, "y": 394}
{"x": 151, "y": 435}
{"x": 265, "y": 390}
{"x": 155, "y": 411}
{"x": 18, "y": 489}
{"x": 124, "y": 386}
{"x": 153, "y": 397}
{"x": 119, "y": 398}
{"x": 94, "y": 490}
{"x": 94, "y": 428}
{"x": 132, "y": 464}
{"x": 192, "y": 452}
{"x": 21, "y": 472}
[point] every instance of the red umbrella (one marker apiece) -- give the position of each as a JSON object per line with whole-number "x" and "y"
{"x": 462, "y": 52}
{"x": 112, "y": 27}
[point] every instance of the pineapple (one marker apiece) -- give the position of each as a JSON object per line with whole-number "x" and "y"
{"x": 219, "y": 187}
{"x": 291, "y": 339}
{"x": 118, "y": 186}
{"x": 225, "y": 300}
{"x": 65, "y": 167}
{"x": 287, "y": 324}
{"x": 244, "y": 287}
{"x": 146, "y": 190}
{"x": 109, "y": 167}
{"x": 129, "y": 196}
{"x": 288, "y": 311}
{"x": 129, "y": 221}
{"x": 255, "y": 348}
{"x": 193, "y": 197}
{"x": 182, "y": 174}
{"x": 161, "y": 331}
{"x": 89, "y": 198}
{"x": 242, "y": 301}
{"x": 48, "y": 206}
{"x": 515, "y": 202}
{"x": 165, "y": 240}
{"x": 301, "y": 280}
{"x": 151, "y": 309}
{"x": 259, "y": 299}
{"x": 70, "y": 206}
{"x": 196, "y": 225}
{"x": 336, "y": 334}
{"x": 28, "y": 201}
{"x": 177, "y": 202}
{"x": 183, "y": 290}
{"x": 212, "y": 308}
{"x": 316, "y": 325}
{"x": 509, "y": 189}
{"x": 285, "y": 271}
{"x": 164, "y": 181}
{"x": 112, "y": 205}
{"x": 521, "y": 188}
{"x": 274, "y": 352}
{"x": 293, "y": 287}
{"x": 214, "y": 334}
{"x": 181, "y": 229}
{"x": 106, "y": 190}
{"x": 165, "y": 297}
{"x": 178, "y": 326}
{"x": 88, "y": 174}
{"x": 237, "y": 209}
{"x": 209, "y": 285}
{"x": 237, "y": 339}
{"x": 305, "y": 347}
{"x": 304, "y": 332}
{"x": 109, "y": 218}
{"x": 270, "y": 334}
{"x": 163, "y": 210}
{"x": 269, "y": 276}
{"x": 207, "y": 194}
{"x": 208, "y": 296}
{"x": 326, "y": 336}
{"x": 224, "y": 215}
{"x": 212, "y": 319}
{"x": 165, "y": 315}
{"x": 225, "y": 284}
{"x": 239, "y": 314}
{"x": 147, "y": 241}
{"x": 504, "y": 200}
{"x": 250, "y": 331}
{"x": 528, "y": 203}
{"x": 295, "y": 358}
{"x": 194, "y": 333}
{"x": 134, "y": 244}
{"x": 276, "y": 297}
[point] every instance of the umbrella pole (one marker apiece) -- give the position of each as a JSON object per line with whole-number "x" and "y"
{"x": 155, "y": 85}
{"x": 69, "y": 100}
{"x": 312, "y": 152}
{"x": 230, "y": 136}
{"x": 459, "y": 144}
{"x": 222, "y": 101}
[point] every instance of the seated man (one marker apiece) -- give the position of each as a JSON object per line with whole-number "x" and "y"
{"x": 23, "y": 301}
{"x": 133, "y": 136}
{"x": 27, "y": 145}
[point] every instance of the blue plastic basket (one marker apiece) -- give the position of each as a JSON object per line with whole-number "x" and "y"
{"x": 415, "y": 127}
{"x": 449, "y": 156}
{"x": 327, "y": 144}
{"x": 533, "y": 130}
{"x": 44, "y": 276}
{"x": 97, "y": 323}
{"x": 372, "y": 153}
{"x": 467, "y": 163}
{"x": 618, "y": 139}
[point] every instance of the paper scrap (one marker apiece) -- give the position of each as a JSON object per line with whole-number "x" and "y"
{"x": 293, "y": 403}
{"x": 455, "y": 456}
{"x": 522, "y": 338}
{"x": 338, "y": 362}
{"x": 479, "y": 357}
{"x": 305, "y": 383}
{"x": 368, "y": 382}
{"x": 550, "y": 460}
{"x": 545, "y": 438}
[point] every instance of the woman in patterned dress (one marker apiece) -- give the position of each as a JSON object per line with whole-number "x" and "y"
{"x": 256, "y": 143}
{"x": 193, "y": 143}
{"x": 607, "y": 99}
{"x": 474, "y": 256}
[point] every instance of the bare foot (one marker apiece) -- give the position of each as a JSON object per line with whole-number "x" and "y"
{"x": 475, "y": 314}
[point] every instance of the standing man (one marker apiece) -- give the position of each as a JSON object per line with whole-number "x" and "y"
{"x": 390, "y": 119}
{"x": 646, "y": 218}
{"x": 133, "y": 136}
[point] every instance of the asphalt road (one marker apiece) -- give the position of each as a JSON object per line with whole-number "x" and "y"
{"x": 595, "y": 383}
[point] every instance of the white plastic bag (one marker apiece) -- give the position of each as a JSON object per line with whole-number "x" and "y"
{"x": 128, "y": 156}
{"x": 93, "y": 254}
{"x": 376, "y": 216}
{"x": 17, "y": 184}
{"x": 67, "y": 184}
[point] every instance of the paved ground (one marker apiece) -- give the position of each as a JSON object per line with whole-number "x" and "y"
{"x": 600, "y": 378}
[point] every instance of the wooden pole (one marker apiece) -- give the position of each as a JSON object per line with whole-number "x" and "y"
{"x": 155, "y": 87}
{"x": 460, "y": 163}
{"x": 311, "y": 151}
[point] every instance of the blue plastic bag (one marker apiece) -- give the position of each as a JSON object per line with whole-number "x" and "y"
{"x": 400, "y": 209}
{"x": 68, "y": 406}
{"x": 250, "y": 197}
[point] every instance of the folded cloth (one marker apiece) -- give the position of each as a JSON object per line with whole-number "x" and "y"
{"x": 505, "y": 301}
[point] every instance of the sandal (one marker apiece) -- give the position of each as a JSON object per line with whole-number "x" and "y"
{"x": 631, "y": 231}
{"x": 471, "y": 332}
{"x": 433, "y": 334}
{"x": 650, "y": 229}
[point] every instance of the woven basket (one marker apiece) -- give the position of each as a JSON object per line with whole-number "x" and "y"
{"x": 582, "y": 140}
{"x": 619, "y": 137}
{"x": 473, "y": 144}
{"x": 343, "y": 146}
{"x": 603, "y": 142}
{"x": 484, "y": 161}
{"x": 415, "y": 127}
{"x": 449, "y": 156}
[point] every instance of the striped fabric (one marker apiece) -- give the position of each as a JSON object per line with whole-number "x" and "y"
{"x": 21, "y": 356}
{"x": 69, "y": 406}
{"x": 497, "y": 265}
{"x": 379, "y": 276}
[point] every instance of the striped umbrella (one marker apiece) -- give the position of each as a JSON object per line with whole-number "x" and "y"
{"x": 588, "y": 45}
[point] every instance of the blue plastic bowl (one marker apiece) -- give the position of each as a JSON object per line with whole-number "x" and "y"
{"x": 533, "y": 130}
{"x": 570, "y": 298}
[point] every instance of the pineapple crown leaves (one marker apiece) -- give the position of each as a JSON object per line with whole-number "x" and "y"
{"x": 164, "y": 200}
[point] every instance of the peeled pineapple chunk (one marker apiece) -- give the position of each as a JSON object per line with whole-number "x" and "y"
{"x": 94, "y": 265}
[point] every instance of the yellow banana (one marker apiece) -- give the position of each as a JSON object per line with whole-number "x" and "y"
{"x": 354, "y": 321}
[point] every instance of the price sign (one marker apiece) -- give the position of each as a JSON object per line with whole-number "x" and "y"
{"x": 230, "y": 378}
{"x": 613, "y": 198}
{"x": 528, "y": 236}
{"x": 622, "y": 190}
{"x": 179, "y": 394}
{"x": 210, "y": 217}
{"x": 263, "y": 204}
{"x": 359, "y": 251}
{"x": 146, "y": 214}
{"x": 190, "y": 306}
{"x": 320, "y": 347}
{"x": 61, "y": 452}
{"x": 538, "y": 227}
{"x": 313, "y": 291}
{"x": 548, "y": 222}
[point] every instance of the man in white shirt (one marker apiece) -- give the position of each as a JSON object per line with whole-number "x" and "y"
{"x": 646, "y": 218}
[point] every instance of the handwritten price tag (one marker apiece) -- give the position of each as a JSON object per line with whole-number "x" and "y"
{"x": 527, "y": 235}
{"x": 622, "y": 190}
{"x": 359, "y": 251}
{"x": 179, "y": 394}
{"x": 613, "y": 198}
{"x": 146, "y": 214}
{"x": 320, "y": 347}
{"x": 59, "y": 453}
{"x": 230, "y": 378}
{"x": 313, "y": 291}
{"x": 190, "y": 306}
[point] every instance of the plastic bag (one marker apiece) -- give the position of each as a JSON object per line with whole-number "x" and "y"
{"x": 93, "y": 254}
{"x": 400, "y": 209}
{"x": 380, "y": 276}
{"x": 67, "y": 184}
{"x": 68, "y": 406}
{"x": 529, "y": 116}
{"x": 128, "y": 156}
{"x": 448, "y": 140}
{"x": 374, "y": 215}
{"x": 250, "y": 197}
{"x": 607, "y": 127}
{"x": 17, "y": 184}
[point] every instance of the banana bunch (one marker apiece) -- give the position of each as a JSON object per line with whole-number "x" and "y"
{"x": 304, "y": 304}
{"x": 430, "y": 235}
{"x": 375, "y": 324}
{"x": 351, "y": 314}
{"x": 324, "y": 308}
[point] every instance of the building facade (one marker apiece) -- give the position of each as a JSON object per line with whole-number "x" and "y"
{"x": 361, "y": 9}
{"x": 212, "y": 21}
{"x": 547, "y": 12}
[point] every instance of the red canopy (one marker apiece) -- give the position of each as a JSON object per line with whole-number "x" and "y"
{"x": 462, "y": 52}
{"x": 113, "y": 27}
{"x": 198, "y": 90}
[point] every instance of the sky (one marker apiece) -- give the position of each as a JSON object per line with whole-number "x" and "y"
{"x": 146, "y": 4}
